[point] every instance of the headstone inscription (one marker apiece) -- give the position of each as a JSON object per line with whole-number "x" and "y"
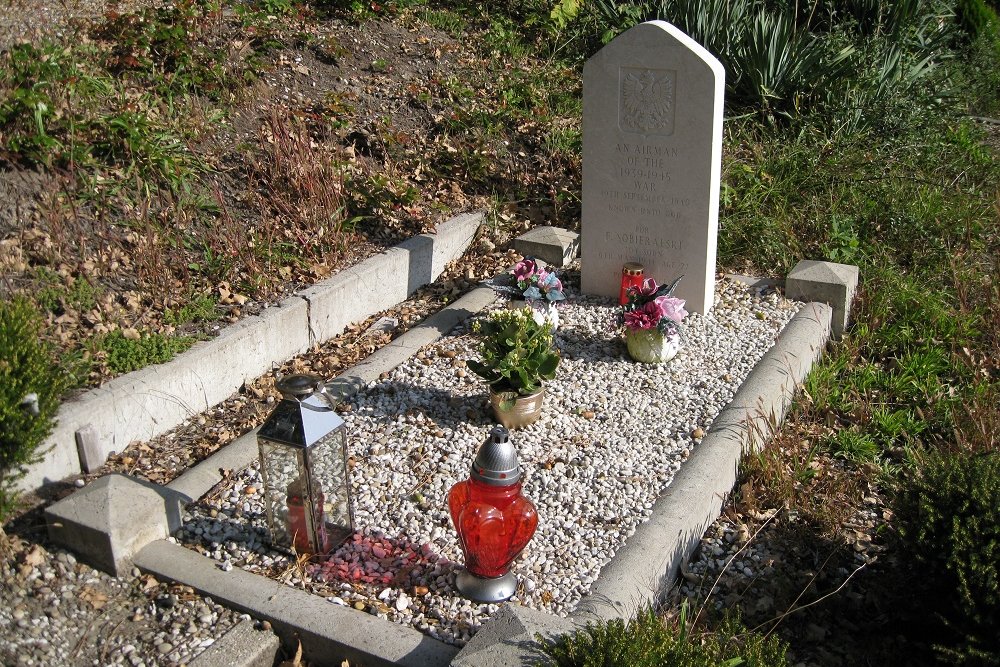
{"x": 652, "y": 151}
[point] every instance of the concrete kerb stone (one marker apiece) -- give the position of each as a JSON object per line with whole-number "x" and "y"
{"x": 401, "y": 349}
{"x": 648, "y": 562}
{"x": 382, "y": 281}
{"x": 328, "y": 632}
{"x": 243, "y": 646}
{"x": 108, "y": 521}
{"x": 148, "y": 402}
{"x": 511, "y": 638}
{"x": 237, "y": 455}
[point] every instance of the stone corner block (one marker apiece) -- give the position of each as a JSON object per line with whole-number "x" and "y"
{"x": 554, "y": 245}
{"x": 244, "y": 646}
{"x": 111, "y": 519}
{"x": 827, "y": 282}
{"x": 510, "y": 637}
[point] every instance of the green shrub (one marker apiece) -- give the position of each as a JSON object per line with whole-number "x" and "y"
{"x": 949, "y": 520}
{"x": 30, "y": 386}
{"x": 646, "y": 641}
{"x": 976, "y": 18}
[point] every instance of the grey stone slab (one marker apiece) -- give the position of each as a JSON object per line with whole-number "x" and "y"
{"x": 108, "y": 521}
{"x": 826, "y": 282}
{"x": 652, "y": 149}
{"x": 89, "y": 449}
{"x": 511, "y": 638}
{"x": 555, "y": 246}
{"x": 243, "y": 646}
{"x": 60, "y": 453}
{"x": 647, "y": 564}
{"x": 329, "y": 632}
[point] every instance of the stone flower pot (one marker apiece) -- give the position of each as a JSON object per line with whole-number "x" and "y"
{"x": 649, "y": 346}
{"x": 515, "y": 411}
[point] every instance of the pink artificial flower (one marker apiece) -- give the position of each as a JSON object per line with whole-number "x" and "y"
{"x": 671, "y": 307}
{"x": 524, "y": 270}
{"x": 649, "y": 287}
{"x": 646, "y": 317}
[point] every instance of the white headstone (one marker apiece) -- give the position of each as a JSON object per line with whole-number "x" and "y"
{"x": 652, "y": 153}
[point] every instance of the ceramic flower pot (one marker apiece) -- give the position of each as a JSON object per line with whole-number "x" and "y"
{"x": 515, "y": 411}
{"x": 541, "y": 311}
{"x": 649, "y": 346}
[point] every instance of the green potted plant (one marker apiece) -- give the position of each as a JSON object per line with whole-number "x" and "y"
{"x": 517, "y": 356}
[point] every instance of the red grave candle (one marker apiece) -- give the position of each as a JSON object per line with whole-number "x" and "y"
{"x": 493, "y": 519}
{"x": 632, "y": 275}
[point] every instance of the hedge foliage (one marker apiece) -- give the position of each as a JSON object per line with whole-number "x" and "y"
{"x": 647, "y": 641}
{"x": 30, "y": 386}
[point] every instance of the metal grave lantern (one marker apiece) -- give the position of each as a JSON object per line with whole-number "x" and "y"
{"x": 303, "y": 459}
{"x": 493, "y": 519}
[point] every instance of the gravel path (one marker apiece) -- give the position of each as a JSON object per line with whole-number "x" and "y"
{"x": 612, "y": 435}
{"x": 56, "y": 611}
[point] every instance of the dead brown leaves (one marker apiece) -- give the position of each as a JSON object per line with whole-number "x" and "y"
{"x": 93, "y": 597}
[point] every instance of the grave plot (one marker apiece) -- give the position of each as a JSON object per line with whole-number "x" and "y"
{"x": 611, "y": 437}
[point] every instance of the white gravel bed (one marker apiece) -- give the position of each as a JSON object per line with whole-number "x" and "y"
{"x": 611, "y": 437}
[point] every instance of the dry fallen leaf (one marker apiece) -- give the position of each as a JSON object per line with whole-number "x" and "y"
{"x": 296, "y": 661}
{"x": 96, "y": 599}
{"x": 35, "y": 557}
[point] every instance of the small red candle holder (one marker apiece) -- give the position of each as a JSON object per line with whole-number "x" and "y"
{"x": 632, "y": 275}
{"x": 493, "y": 519}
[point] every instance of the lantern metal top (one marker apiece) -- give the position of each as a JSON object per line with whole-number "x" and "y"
{"x": 496, "y": 463}
{"x": 299, "y": 386}
{"x": 304, "y": 416}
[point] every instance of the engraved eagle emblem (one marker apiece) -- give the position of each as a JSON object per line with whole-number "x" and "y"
{"x": 647, "y": 99}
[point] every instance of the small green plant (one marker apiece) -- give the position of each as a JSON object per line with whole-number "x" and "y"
{"x": 517, "y": 352}
{"x": 647, "y": 641}
{"x": 949, "y": 521}
{"x": 30, "y": 386}
{"x": 854, "y": 445}
{"x": 199, "y": 309}
{"x": 125, "y": 355}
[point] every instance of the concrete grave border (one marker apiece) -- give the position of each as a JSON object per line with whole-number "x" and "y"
{"x": 637, "y": 574}
{"x": 153, "y": 400}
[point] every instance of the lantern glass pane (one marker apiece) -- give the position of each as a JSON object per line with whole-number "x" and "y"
{"x": 282, "y": 468}
{"x": 327, "y": 461}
